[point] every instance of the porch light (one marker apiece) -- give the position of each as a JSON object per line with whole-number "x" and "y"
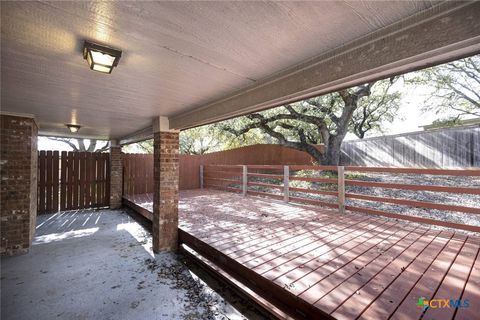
{"x": 73, "y": 127}
{"x": 101, "y": 58}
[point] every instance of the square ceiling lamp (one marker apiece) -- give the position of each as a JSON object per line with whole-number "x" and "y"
{"x": 100, "y": 58}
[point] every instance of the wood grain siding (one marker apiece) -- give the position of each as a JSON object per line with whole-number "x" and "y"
{"x": 442, "y": 148}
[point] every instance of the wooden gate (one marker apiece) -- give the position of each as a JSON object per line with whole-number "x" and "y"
{"x": 72, "y": 180}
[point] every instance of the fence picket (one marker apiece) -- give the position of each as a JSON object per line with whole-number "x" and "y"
{"x": 63, "y": 181}
{"x": 49, "y": 181}
{"x": 107, "y": 180}
{"x": 74, "y": 180}
{"x": 137, "y": 173}
{"x": 69, "y": 181}
{"x": 55, "y": 186}
{"x": 41, "y": 194}
{"x": 88, "y": 167}
{"x": 98, "y": 177}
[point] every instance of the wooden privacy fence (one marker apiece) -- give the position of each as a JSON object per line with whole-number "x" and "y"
{"x": 274, "y": 181}
{"x": 259, "y": 154}
{"x": 72, "y": 180}
{"x": 137, "y": 173}
{"x": 440, "y": 148}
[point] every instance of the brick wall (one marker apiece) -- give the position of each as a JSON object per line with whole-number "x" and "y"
{"x": 18, "y": 190}
{"x": 116, "y": 167}
{"x": 165, "y": 192}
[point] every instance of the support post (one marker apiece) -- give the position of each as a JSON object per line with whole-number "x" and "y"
{"x": 165, "y": 191}
{"x": 116, "y": 175}
{"x": 286, "y": 183}
{"x": 244, "y": 180}
{"x": 341, "y": 189}
{"x": 201, "y": 176}
{"x": 18, "y": 192}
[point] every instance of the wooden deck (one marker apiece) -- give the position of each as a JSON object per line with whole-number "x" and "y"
{"x": 351, "y": 266}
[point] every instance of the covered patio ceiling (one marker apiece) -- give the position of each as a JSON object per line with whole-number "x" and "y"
{"x": 199, "y": 62}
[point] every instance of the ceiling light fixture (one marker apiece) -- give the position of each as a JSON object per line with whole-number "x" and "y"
{"x": 73, "y": 127}
{"x": 101, "y": 58}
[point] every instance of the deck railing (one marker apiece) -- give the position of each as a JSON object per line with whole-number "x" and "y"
{"x": 285, "y": 183}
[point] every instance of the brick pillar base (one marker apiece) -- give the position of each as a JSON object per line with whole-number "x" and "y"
{"x": 18, "y": 186}
{"x": 165, "y": 192}
{"x": 116, "y": 177}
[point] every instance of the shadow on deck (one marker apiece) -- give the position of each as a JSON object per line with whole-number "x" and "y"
{"x": 315, "y": 263}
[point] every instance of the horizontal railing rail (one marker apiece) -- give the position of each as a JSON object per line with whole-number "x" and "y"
{"x": 275, "y": 181}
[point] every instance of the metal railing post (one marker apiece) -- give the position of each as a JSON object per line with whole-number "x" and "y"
{"x": 244, "y": 181}
{"x": 201, "y": 176}
{"x": 286, "y": 179}
{"x": 341, "y": 189}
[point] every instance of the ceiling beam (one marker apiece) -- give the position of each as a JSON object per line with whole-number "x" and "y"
{"x": 137, "y": 136}
{"x": 448, "y": 31}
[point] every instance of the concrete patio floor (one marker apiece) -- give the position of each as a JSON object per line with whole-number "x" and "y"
{"x": 98, "y": 264}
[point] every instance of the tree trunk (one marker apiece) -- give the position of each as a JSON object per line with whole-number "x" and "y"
{"x": 332, "y": 157}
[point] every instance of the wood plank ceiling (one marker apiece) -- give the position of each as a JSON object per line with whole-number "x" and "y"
{"x": 177, "y": 56}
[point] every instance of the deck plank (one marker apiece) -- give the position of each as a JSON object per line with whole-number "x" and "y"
{"x": 302, "y": 266}
{"x": 384, "y": 305}
{"x": 427, "y": 284}
{"x": 244, "y": 248}
{"x": 334, "y": 249}
{"x": 244, "y": 253}
{"x": 472, "y": 293}
{"x": 310, "y": 286}
{"x": 313, "y": 285}
{"x": 353, "y": 284}
{"x": 323, "y": 235}
{"x": 353, "y": 307}
{"x": 351, "y": 266}
{"x": 453, "y": 284}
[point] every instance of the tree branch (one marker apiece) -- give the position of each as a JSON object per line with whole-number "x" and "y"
{"x": 66, "y": 141}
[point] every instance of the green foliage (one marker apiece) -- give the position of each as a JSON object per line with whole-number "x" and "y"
{"x": 211, "y": 138}
{"x": 322, "y": 174}
{"x": 355, "y": 176}
{"x": 139, "y": 147}
{"x": 454, "y": 87}
{"x": 319, "y": 120}
{"x": 446, "y": 122}
{"x": 374, "y": 110}
{"x": 377, "y": 110}
{"x": 199, "y": 140}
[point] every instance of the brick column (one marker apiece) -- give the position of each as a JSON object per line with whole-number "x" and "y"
{"x": 18, "y": 187}
{"x": 165, "y": 192}
{"x": 116, "y": 175}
